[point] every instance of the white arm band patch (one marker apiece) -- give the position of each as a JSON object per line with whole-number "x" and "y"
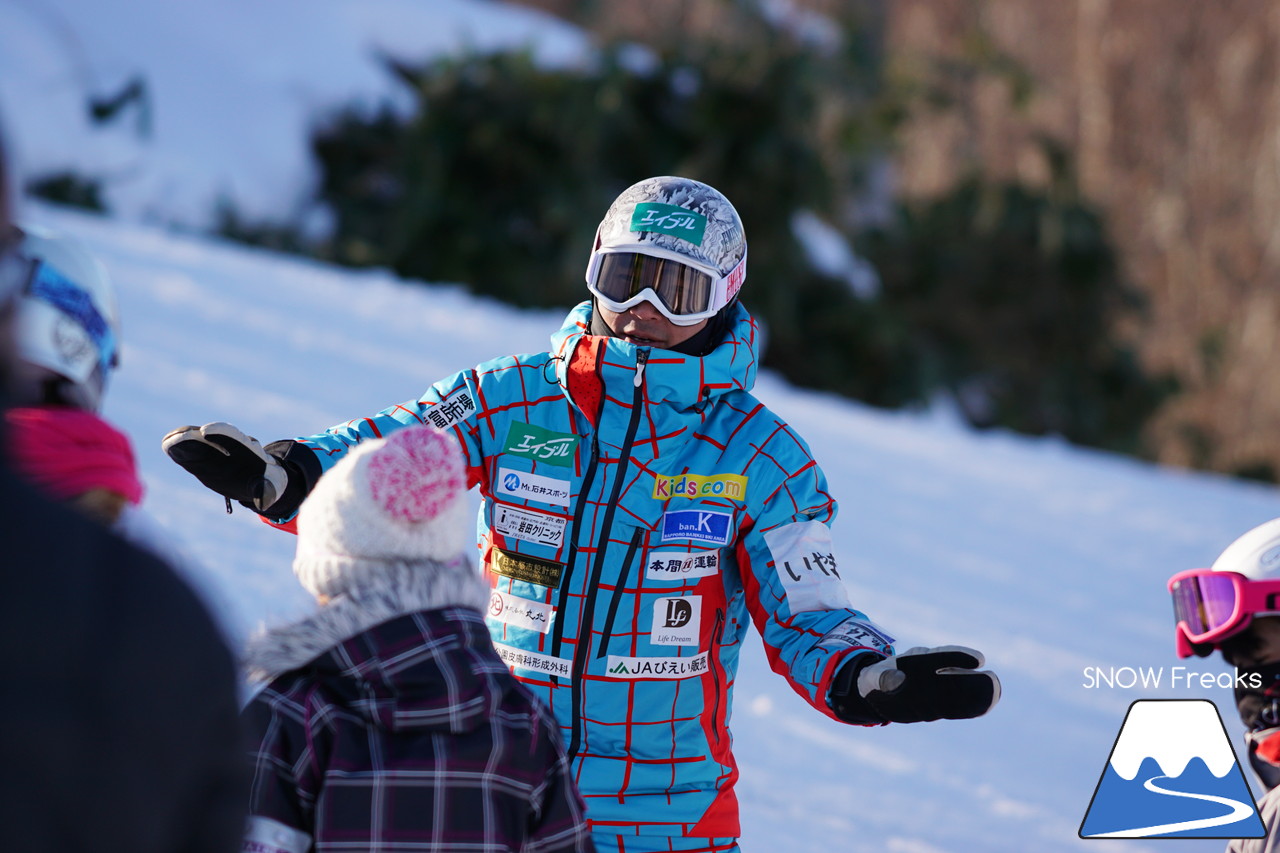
{"x": 805, "y": 561}
{"x": 857, "y": 633}
{"x": 264, "y": 835}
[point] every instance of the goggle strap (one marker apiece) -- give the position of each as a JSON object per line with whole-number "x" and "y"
{"x": 733, "y": 281}
{"x": 1261, "y": 596}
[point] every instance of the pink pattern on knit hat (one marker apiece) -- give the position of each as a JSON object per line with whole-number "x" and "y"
{"x": 416, "y": 474}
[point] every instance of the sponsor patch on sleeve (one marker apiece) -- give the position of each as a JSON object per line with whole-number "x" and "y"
{"x": 264, "y": 835}
{"x": 454, "y": 409}
{"x": 856, "y": 632}
{"x": 805, "y": 562}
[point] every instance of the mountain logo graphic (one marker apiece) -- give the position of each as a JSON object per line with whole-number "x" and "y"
{"x": 1172, "y": 774}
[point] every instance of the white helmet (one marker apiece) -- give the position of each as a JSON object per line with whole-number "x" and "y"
{"x": 68, "y": 323}
{"x": 1256, "y": 554}
{"x": 669, "y": 219}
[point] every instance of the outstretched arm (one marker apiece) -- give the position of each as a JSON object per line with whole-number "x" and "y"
{"x": 273, "y": 481}
{"x": 830, "y": 653}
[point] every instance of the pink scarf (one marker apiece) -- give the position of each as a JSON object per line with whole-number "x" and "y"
{"x": 67, "y": 452}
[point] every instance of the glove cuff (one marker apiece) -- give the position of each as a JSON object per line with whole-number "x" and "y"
{"x": 843, "y": 697}
{"x": 303, "y": 470}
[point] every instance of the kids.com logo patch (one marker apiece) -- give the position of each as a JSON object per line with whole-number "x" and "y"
{"x": 730, "y": 486}
{"x": 1172, "y": 774}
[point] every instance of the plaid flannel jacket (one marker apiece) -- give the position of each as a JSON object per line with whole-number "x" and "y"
{"x": 411, "y": 735}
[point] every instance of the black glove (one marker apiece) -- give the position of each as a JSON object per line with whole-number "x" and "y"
{"x": 230, "y": 463}
{"x": 916, "y": 686}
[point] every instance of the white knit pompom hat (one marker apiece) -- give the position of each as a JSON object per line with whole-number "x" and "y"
{"x": 389, "y": 502}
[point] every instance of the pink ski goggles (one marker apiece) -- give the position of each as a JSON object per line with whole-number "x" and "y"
{"x": 1211, "y": 606}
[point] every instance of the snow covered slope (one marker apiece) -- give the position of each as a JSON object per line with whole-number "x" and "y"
{"x": 1050, "y": 559}
{"x": 232, "y": 88}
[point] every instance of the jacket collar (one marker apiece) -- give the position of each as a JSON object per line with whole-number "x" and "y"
{"x": 400, "y": 590}
{"x": 677, "y": 387}
{"x": 415, "y": 670}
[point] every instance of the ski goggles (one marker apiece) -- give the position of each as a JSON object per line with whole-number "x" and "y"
{"x": 685, "y": 293}
{"x": 1210, "y": 606}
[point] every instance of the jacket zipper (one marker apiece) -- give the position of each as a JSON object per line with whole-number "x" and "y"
{"x": 713, "y": 665}
{"x": 587, "y": 615}
{"x": 588, "y": 478}
{"x": 617, "y": 590}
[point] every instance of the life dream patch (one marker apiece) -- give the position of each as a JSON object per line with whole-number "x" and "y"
{"x": 676, "y": 621}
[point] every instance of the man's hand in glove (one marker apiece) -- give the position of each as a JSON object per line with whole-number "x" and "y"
{"x": 918, "y": 685}
{"x": 230, "y": 463}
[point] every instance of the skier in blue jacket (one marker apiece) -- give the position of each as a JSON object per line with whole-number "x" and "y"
{"x": 640, "y": 507}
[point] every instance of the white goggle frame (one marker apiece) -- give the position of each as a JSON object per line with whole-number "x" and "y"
{"x": 723, "y": 288}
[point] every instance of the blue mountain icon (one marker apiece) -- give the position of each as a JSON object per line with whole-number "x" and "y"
{"x": 1172, "y": 774}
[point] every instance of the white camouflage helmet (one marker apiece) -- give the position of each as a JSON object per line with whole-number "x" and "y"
{"x": 677, "y": 219}
{"x": 1256, "y": 554}
{"x": 68, "y": 326}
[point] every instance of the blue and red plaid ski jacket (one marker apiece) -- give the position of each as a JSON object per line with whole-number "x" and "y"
{"x": 641, "y": 507}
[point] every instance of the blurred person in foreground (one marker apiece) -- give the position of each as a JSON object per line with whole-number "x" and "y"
{"x": 641, "y": 510}
{"x": 119, "y": 728}
{"x": 68, "y": 344}
{"x": 1234, "y": 607}
{"x": 68, "y": 341}
{"x": 390, "y": 723}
